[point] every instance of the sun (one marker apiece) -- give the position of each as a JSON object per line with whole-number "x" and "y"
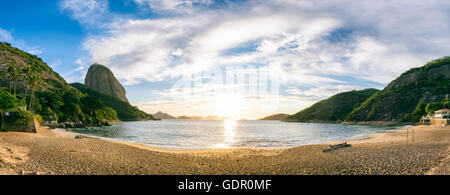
{"x": 229, "y": 106}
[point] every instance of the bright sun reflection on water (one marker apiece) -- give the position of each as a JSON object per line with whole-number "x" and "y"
{"x": 229, "y": 128}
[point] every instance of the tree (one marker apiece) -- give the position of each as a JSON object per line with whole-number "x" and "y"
{"x": 431, "y": 107}
{"x": 445, "y": 103}
{"x": 91, "y": 104}
{"x": 26, "y": 74}
{"x": 13, "y": 74}
{"x": 8, "y": 73}
{"x": 7, "y": 102}
{"x": 2, "y": 75}
{"x": 34, "y": 81}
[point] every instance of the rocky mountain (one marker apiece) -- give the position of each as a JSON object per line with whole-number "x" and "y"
{"x": 162, "y": 115}
{"x": 184, "y": 117}
{"x": 101, "y": 79}
{"x": 405, "y": 99}
{"x": 333, "y": 109}
{"x": 125, "y": 111}
{"x": 277, "y": 117}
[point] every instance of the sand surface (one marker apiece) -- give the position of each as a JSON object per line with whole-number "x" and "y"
{"x": 426, "y": 151}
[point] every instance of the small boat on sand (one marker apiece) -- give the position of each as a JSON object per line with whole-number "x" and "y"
{"x": 336, "y": 146}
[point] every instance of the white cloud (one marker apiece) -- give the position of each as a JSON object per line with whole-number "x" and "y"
{"x": 289, "y": 35}
{"x": 249, "y": 107}
{"x": 150, "y": 49}
{"x": 309, "y": 43}
{"x": 55, "y": 63}
{"x": 5, "y": 35}
{"x": 322, "y": 91}
{"x": 87, "y": 12}
{"x": 81, "y": 67}
{"x": 174, "y": 6}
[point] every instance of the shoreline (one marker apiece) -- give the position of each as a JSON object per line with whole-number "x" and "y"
{"x": 167, "y": 149}
{"x": 57, "y": 152}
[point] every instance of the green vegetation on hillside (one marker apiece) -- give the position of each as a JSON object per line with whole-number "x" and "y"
{"x": 125, "y": 111}
{"x": 333, "y": 109}
{"x": 432, "y": 107}
{"x": 406, "y": 98}
{"x": 433, "y": 64}
{"x": 7, "y": 102}
{"x": 423, "y": 109}
{"x": 46, "y": 93}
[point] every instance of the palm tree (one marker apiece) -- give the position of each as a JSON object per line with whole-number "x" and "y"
{"x": 35, "y": 82}
{"x": 26, "y": 72}
{"x": 13, "y": 74}
{"x": 9, "y": 70}
{"x": 2, "y": 75}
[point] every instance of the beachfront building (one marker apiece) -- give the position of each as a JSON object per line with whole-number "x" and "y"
{"x": 440, "y": 117}
{"x": 442, "y": 113}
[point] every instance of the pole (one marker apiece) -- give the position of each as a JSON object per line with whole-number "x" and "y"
{"x": 407, "y": 132}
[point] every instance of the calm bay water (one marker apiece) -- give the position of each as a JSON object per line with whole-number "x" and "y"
{"x": 197, "y": 134}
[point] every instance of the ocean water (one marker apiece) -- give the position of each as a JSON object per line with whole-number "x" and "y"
{"x": 203, "y": 134}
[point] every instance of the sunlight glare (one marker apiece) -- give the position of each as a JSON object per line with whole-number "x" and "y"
{"x": 229, "y": 106}
{"x": 229, "y": 132}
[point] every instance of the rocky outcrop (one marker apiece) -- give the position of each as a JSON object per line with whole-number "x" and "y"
{"x": 162, "y": 115}
{"x": 101, "y": 79}
{"x": 125, "y": 111}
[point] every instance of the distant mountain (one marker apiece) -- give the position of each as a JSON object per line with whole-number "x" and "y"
{"x": 277, "y": 117}
{"x": 101, "y": 79}
{"x": 191, "y": 117}
{"x": 333, "y": 109}
{"x": 406, "y": 98}
{"x": 184, "y": 117}
{"x": 202, "y": 118}
{"x": 162, "y": 115}
{"x": 125, "y": 111}
{"x": 214, "y": 117}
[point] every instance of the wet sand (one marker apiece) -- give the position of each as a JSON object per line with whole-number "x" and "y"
{"x": 426, "y": 151}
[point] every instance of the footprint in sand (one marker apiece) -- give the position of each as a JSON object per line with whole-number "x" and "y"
{"x": 13, "y": 155}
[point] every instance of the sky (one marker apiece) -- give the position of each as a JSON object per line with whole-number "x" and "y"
{"x": 240, "y": 59}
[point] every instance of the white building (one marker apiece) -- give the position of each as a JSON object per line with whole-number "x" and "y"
{"x": 441, "y": 117}
{"x": 442, "y": 113}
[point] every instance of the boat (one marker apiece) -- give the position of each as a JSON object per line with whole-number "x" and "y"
{"x": 336, "y": 146}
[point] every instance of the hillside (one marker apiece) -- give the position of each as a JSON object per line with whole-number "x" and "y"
{"x": 405, "y": 99}
{"x": 125, "y": 111}
{"x": 277, "y": 117}
{"x": 19, "y": 59}
{"x": 162, "y": 115}
{"x": 333, "y": 109}
{"x": 46, "y": 93}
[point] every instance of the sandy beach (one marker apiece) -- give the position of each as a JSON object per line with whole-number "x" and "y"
{"x": 417, "y": 150}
